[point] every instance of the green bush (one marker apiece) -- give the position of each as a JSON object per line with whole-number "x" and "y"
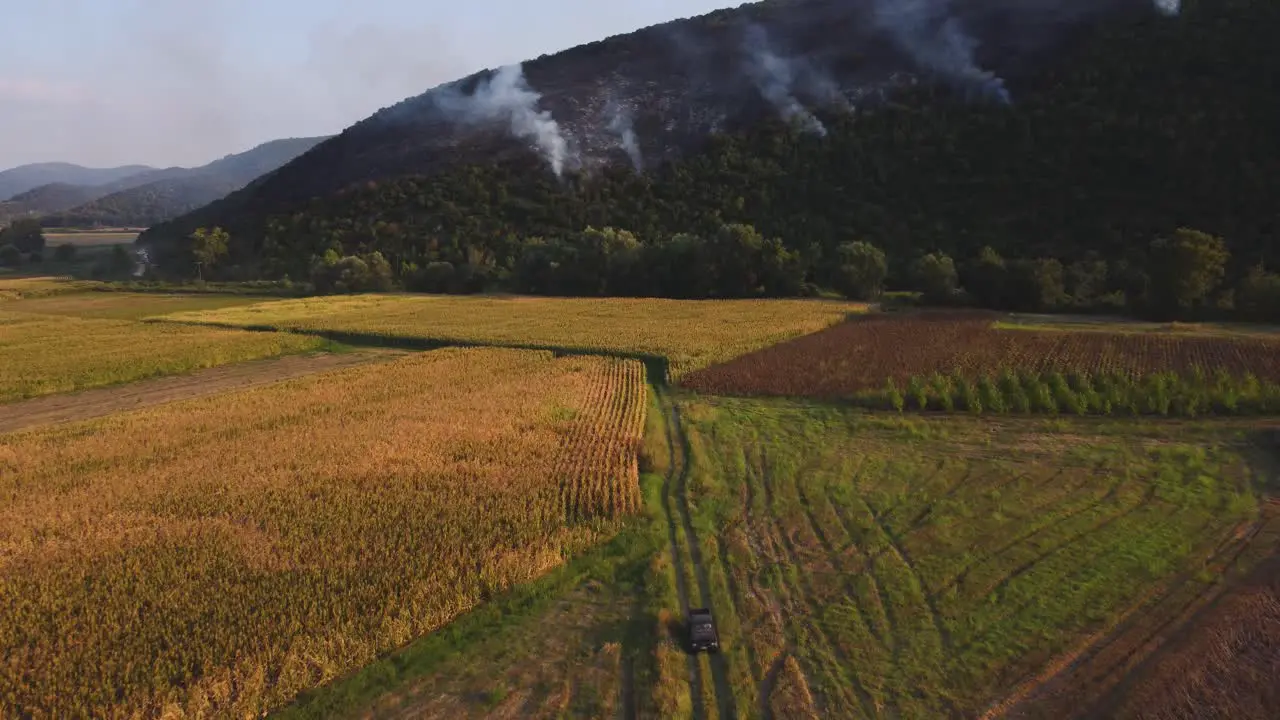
{"x": 918, "y": 392}
{"x": 941, "y": 387}
{"x": 894, "y": 397}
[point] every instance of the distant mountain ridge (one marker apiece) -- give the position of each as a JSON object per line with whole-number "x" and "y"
{"x": 24, "y": 178}
{"x": 152, "y": 195}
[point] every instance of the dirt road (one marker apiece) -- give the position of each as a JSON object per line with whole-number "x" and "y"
{"x": 105, "y": 401}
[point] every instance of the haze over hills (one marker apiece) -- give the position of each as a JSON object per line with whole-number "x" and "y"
{"x": 1041, "y": 129}
{"x": 152, "y": 195}
{"x": 15, "y": 181}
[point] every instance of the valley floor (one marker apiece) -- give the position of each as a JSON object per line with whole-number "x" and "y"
{"x": 860, "y": 564}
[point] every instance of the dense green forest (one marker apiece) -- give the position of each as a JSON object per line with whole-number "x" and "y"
{"x": 1106, "y": 152}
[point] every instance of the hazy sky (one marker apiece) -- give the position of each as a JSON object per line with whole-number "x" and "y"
{"x": 182, "y": 82}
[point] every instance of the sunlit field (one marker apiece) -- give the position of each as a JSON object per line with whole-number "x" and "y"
{"x": 45, "y": 354}
{"x": 215, "y": 557}
{"x": 689, "y": 333}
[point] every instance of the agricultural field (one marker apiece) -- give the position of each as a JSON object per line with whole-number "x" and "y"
{"x": 1221, "y": 664}
{"x": 689, "y": 334}
{"x": 871, "y": 566}
{"x": 864, "y": 353}
{"x": 17, "y": 288}
{"x": 90, "y": 238}
{"x": 218, "y": 556}
{"x": 126, "y": 305}
{"x": 46, "y": 354}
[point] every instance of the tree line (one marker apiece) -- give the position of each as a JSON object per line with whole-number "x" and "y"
{"x": 1183, "y": 275}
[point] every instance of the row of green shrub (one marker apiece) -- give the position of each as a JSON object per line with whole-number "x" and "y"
{"x": 1077, "y": 393}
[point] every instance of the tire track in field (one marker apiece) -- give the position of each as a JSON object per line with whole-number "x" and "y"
{"x": 1080, "y": 660}
{"x": 765, "y": 548}
{"x": 852, "y": 532}
{"x": 1083, "y": 569}
{"x": 1036, "y": 528}
{"x": 898, "y": 502}
{"x": 670, "y": 421}
{"x": 1025, "y": 567}
{"x": 856, "y": 694}
{"x": 928, "y": 508}
{"x": 829, "y": 548}
{"x": 895, "y": 546}
{"x": 719, "y": 666}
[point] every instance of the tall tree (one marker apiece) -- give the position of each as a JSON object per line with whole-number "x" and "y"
{"x": 863, "y": 268}
{"x": 208, "y": 245}
{"x": 935, "y": 276}
{"x": 1188, "y": 266}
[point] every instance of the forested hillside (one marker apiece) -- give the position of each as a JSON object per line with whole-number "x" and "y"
{"x": 1137, "y": 126}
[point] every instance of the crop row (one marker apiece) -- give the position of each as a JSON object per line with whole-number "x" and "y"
{"x": 218, "y": 556}
{"x": 1022, "y": 392}
{"x": 862, "y": 354}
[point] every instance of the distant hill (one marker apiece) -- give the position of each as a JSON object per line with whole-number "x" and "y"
{"x": 153, "y": 195}
{"x": 1073, "y": 130}
{"x": 50, "y": 198}
{"x": 27, "y": 177}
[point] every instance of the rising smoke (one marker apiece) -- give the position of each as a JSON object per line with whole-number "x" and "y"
{"x": 621, "y": 125}
{"x": 937, "y": 40}
{"x": 506, "y": 96}
{"x": 1169, "y": 7}
{"x": 776, "y": 77}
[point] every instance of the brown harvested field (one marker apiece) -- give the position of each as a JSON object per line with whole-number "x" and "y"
{"x": 145, "y": 393}
{"x": 1228, "y": 666}
{"x": 861, "y": 353}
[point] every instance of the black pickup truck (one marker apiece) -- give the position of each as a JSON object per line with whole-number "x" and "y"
{"x": 702, "y": 631}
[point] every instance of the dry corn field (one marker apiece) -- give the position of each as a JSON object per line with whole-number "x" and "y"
{"x": 863, "y": 353}
{"x": 689, "y": 333}
{"x": 217, "y": 556}
{"x": 32, "y": 287}
{"x": 45, "y": 354}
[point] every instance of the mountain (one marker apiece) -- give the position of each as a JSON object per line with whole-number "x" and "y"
{"x": 49, "y": 198}
{"x": 152, "y": 196}
{"x": 1074, "y": 130}
{"x": 27, "y": 177}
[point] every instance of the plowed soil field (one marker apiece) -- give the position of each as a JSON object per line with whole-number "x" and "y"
{"x": 862, "y": 353}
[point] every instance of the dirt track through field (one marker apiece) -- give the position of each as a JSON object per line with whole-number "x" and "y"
{"x": 145, "y": 393}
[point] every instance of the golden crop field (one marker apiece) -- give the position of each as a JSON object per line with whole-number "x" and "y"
{"x": 34, "y": 287}
{"x": 218, "y": 556}
{"x": 127, "y": 305}
{"x": 46, "y": 354}
{"x": 106, "y": 237}
{"x": 690, "y": 333}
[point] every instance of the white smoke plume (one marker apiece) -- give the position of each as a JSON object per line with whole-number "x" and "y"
{"x": 938, "y": 42}
{"x": 620, "y": 124}
{"x": 1169, "y": 7}
{"x": 507, "y": 96}
{"x": 775, "y": 77}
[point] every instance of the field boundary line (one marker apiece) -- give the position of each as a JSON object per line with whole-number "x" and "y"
{"x": 657, "y": 367}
